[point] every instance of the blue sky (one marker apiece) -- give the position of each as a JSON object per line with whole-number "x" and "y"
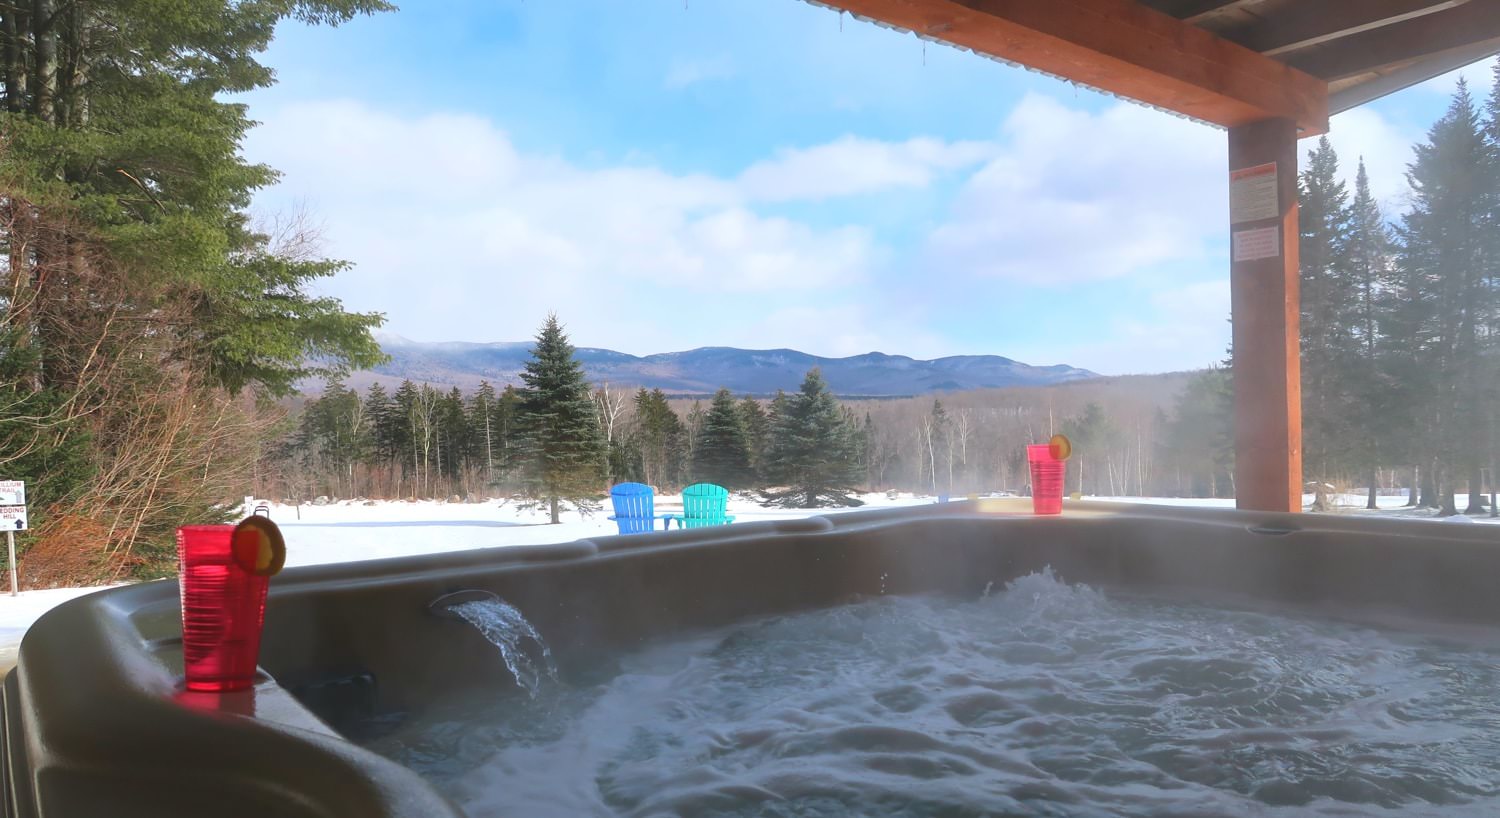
{"x": 758, "y": 173}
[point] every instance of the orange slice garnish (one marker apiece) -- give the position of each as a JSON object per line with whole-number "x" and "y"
{"x": 1061, "y": 447}
{"x": 258, "y": 546}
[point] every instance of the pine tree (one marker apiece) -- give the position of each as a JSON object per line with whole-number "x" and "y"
{"x": 812, "y": 450}
{"x": 405, "y": 405}
{"x": 934, "y": 442}
{"x": 453, "y": 435}
{"x": 1197, "y": 443}
{"x": 562, "y": 444}
{"x": 481, "y": 422}
{"x": 1491, "y": 351}
{"x": 385, "y": 441}
{"x": 722, "y": 452}
{"x": 1368, "y": 389}
{"x": 1325, "y": 218}
{"x": 1088, "y": 432}
{"x": 661, "y": 440}
{"x": 757, "y": 425}
{"x": 1444, "y": 259}
{"x": 139, "y": 286}
{"x": 507, "y": 410}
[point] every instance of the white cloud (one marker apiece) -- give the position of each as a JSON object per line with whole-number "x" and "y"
{"x": 1480, "y": 76}
{"x": 851, "y": 166}
{"x": 1386, "y": 149}
{"x": 1076, "y": 196}
{"x": 684, "y": 72}
{"x": 457, "y": 235}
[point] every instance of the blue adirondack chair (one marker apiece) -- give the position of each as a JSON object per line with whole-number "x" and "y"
{"x": 703, "y": 504}
{"x": 634, "y": 507}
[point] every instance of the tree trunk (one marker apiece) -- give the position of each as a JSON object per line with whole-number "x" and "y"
{"x": 1494, "y": 477}
{"x": 555, "y": 517}
{"x": 1370, "y": 502}
{"x": 44, "y": 31}
{"x": 14, "y": 29}
{"x": 1412, "y": 487}
{"x": 1476, "y": 491}
{"x": 1445, "y": 495}
{"x": 1428, "y": 485}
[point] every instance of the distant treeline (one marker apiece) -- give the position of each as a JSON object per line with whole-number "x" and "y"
{"x": 1163, "y": 434}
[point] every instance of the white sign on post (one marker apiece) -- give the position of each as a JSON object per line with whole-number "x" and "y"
{"x": 12, "y": 518}
{"x": 1253, "y": 194}
{"x": 12, "y": 493}
{"x": 1261, "y": 242}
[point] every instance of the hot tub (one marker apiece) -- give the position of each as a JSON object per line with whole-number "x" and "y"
{"x": 96, "y": 723}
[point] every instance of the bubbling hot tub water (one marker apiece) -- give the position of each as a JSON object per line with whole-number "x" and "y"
{"x": 1041, "y": 699}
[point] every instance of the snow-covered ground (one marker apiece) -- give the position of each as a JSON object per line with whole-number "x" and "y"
{"x": 352, "y": 530}
{"x": 356, "y": 530}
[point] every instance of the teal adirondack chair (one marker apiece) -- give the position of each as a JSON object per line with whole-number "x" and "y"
{"x": 703, "y": 504}
{"x": 634, "y": 507}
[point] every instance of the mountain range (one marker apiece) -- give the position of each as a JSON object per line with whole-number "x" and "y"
{"x": 703, "y": 371}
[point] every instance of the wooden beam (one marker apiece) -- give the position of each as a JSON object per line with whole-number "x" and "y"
{"x": 1121, "y": 47}
{"x": 1302, "y": 25}
{"x": 1472, "y": 23}
{"x": 1356, "y": 93}
{"x": 1199, "y": 11}
{"x": 1263, "y": 292}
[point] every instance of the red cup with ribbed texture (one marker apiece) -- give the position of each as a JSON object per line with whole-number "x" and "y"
{"x": 1047, "y": 474}
{"x": 223, "y": 607}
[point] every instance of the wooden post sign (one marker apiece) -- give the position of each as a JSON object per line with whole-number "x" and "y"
{"x": 12, "y": 519}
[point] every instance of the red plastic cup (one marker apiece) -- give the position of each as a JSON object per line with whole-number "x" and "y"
{"x": 1047, "y": 474}
{"x": 223, "y": 607}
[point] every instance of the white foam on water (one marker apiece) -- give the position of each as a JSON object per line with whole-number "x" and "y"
{"x": 1043, "y": 698}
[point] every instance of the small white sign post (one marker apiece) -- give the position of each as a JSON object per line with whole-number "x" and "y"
{"x": 12, "y": 519}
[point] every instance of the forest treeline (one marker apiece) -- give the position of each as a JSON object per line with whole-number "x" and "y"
{"x": 146, "y": 322}
{"x": 1401, "y": 320}
{"x": 1143, "y": 435}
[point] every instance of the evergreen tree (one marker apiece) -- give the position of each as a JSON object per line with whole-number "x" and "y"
{"x": 812, "y": 450}
{"x": 693, "y": 426}
{"x": 661, "y": 440}
{"x": 562, "y": 444}
{"x": 483, "y": 437}
{"x": 383, "y": 448}
{"x": 722, "y": 452}
{"x": 132, "y": 268}
{"x": 757, "y": 425}
{"x": 1198, "y": 441}
{"x": 1368, "y": 388}
{"x": 935, "y": 441}
{"x": 1491, "y": 351}
{"x": 1446, "y": 237}
{"x": 507, "y": 409}
{"x": 453, "y": 435}
{"x": 404, "y": 432}
{"x": 1325, "y": 218}
{"x": 1088, "y": 432}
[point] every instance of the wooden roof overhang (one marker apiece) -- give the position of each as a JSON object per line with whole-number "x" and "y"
{"x": 1224, "y": 62}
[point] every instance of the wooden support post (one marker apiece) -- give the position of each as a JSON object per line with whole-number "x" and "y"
{"x": 1265, "y": 307}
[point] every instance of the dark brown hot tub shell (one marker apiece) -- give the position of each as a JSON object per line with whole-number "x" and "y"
{"x": 95, "y": 723}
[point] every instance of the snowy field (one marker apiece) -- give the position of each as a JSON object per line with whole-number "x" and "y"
{"x": 357, "y": 530}
{"x": 351, "y": 530}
